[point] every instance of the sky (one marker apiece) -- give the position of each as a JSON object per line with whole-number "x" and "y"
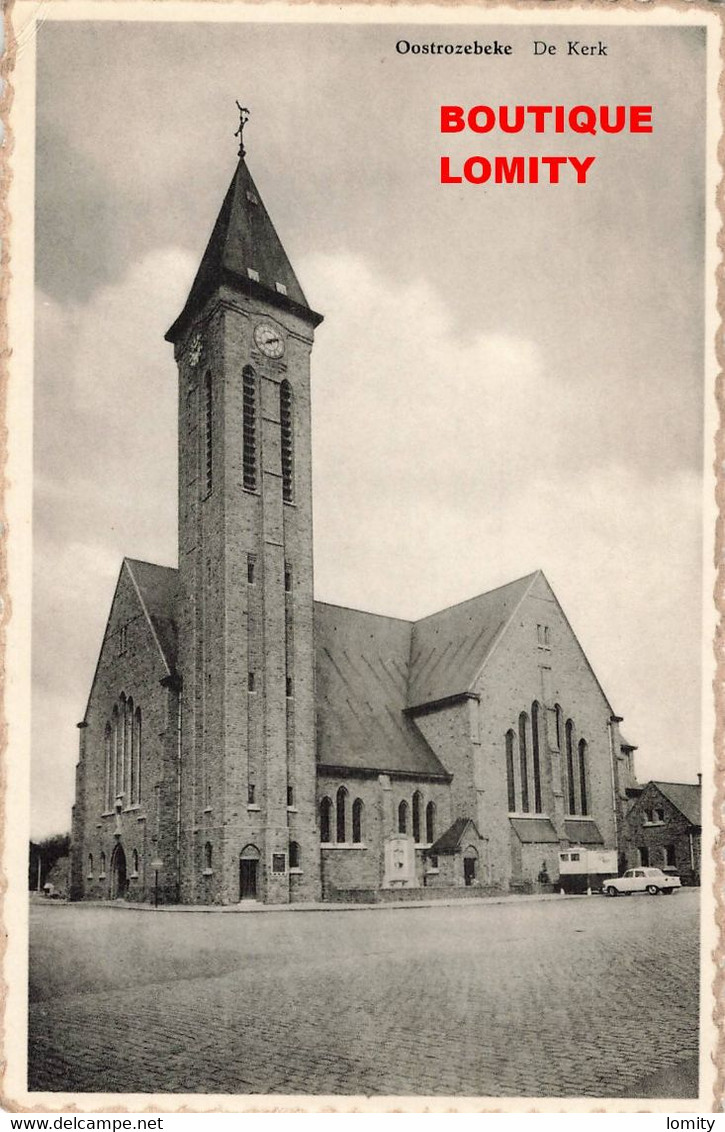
{"x": 507, "y": 378}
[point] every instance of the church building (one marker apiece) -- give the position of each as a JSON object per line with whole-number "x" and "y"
{"x": 243, "y": 741}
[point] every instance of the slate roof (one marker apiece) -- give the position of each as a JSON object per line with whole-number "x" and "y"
{"x": 243, "y": 238}
{"x": 582, "y": 832}
{"x": 361, "y": 682}
{"x": 157, "y": 587}
{"x": 451, "y": 840}
{"x": 369, "y": 668}
{"x": 685, "y": 796}
{"x": 534, "y": 830}
{"x": 448, "y": 649}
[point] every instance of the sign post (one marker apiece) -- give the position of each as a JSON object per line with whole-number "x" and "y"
{"x": 157, "y": 864}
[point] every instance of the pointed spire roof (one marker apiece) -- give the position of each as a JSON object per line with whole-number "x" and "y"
{"x": 244, "y": 251}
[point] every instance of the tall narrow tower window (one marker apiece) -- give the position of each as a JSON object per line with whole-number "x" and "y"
{"x": 287, "y": 434}
{"x": 249, "y": 426}
{"x": 208, "y": 453}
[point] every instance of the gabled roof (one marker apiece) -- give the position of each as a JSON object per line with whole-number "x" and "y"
{"x": 448, "y": 649}
{"x": 361, "y": 682}
{"x": 684, "y": 796}
{"x": 243, "y": 239}
{"x": 157, "y": 589}
{"x": 451, "y": 840}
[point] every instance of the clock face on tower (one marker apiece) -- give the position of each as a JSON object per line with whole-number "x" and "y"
{"x": 269, "y": 340}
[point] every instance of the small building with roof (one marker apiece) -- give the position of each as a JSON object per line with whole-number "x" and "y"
{"x": 663, "y": 829}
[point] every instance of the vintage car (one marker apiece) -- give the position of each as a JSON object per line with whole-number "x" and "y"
{"x": 641, "y": 880}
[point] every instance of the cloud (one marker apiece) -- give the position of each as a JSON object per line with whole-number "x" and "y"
{"x": 446, "y": 462}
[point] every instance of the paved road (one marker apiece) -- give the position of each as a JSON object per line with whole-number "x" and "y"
{"x": 585, "y": 997}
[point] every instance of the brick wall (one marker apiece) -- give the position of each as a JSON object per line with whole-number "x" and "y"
{"x": 147, "y": 827}
{"x": 674, "y": 831}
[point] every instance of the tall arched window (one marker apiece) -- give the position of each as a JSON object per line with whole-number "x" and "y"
{"x": 357, "y": 813}
{"x": 403, "y": 817}
{"x": 430, "y": 823}
{"x": 208, "y": 434}
{"x": 294, "y": 855}
{"x": 90, "y": 865}
{"x": 137, "y": 752}
{"x": 122, "y": 748}
{"x": 116, "y": 754}
{"x": 130, "y": 754}
{"x": 286, "y": 425}
{"x": 135, "y": 861}
{"x": 417, "y": 804}
{"x": 558, "y": 717}
{"x": 583, "y": 776}
{"x": 249, "y": 429}
{"x": 208, "y": 853}
{"x": 341, "y": 816}
{"x": 326, "y": 821}
{"x": 510, "y": 773}
{"x": 537, "y": 761}
{"x": 108, "y": 772}
{"x": 571, "y": 797}
{"x": 523, "y": 759}
{"x": 103, "y": 865}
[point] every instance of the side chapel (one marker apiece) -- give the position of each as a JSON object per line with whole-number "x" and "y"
{"x": 243, "y": 741}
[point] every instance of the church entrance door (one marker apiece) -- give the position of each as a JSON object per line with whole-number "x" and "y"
{"x": 119, "y": 880}
{"x": 248, "y": 872}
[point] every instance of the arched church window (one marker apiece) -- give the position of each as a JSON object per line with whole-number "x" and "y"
{"x": 341, "y": 813}
{"x": 571, "y": 795}
{"x": 115, "y": 754}
{"x": 403, "y": 817}
{"x": 134, "y": 861}
{"x": 510, "y": 775}
{"x": 90, "y": 865}
{"x": 249, "y": 429}
{"x": 523, "y": 758}
{"x": 583, "y": 785}
{"x": 294, "y": 855}
{"x": 417, "y": 803}
{"x": 208, "y": 434}
{"x": 103, "y": 865}
{"x": 130, "y": 754}
{"x": 108, "y": 768}
{"x": 207, "y": 855}
{"x": 326, "y": 821}
{"x": 287, "y": 438}
{"x": 137, "y": 753}
{"x": 430, "y": 823}
{"x": 357, "y": 813}
{"x": 537, "y": 760}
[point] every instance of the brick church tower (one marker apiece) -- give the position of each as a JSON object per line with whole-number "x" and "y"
{"x": 246, "y": 793}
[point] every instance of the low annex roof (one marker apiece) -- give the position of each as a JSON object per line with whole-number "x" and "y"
{"x": 582, "y": 832}
{"x": 361, "y": 664}
{"x": 451, "y": 840}
{"x": 531, "y": 831}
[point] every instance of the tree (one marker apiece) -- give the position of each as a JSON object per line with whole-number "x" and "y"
{"x": 47, "y": 852}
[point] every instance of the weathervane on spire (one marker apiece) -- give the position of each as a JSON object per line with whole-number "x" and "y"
{"x": 243, "y": 119}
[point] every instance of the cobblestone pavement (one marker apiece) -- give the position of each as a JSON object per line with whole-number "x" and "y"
{"x": 585, "y": 997}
